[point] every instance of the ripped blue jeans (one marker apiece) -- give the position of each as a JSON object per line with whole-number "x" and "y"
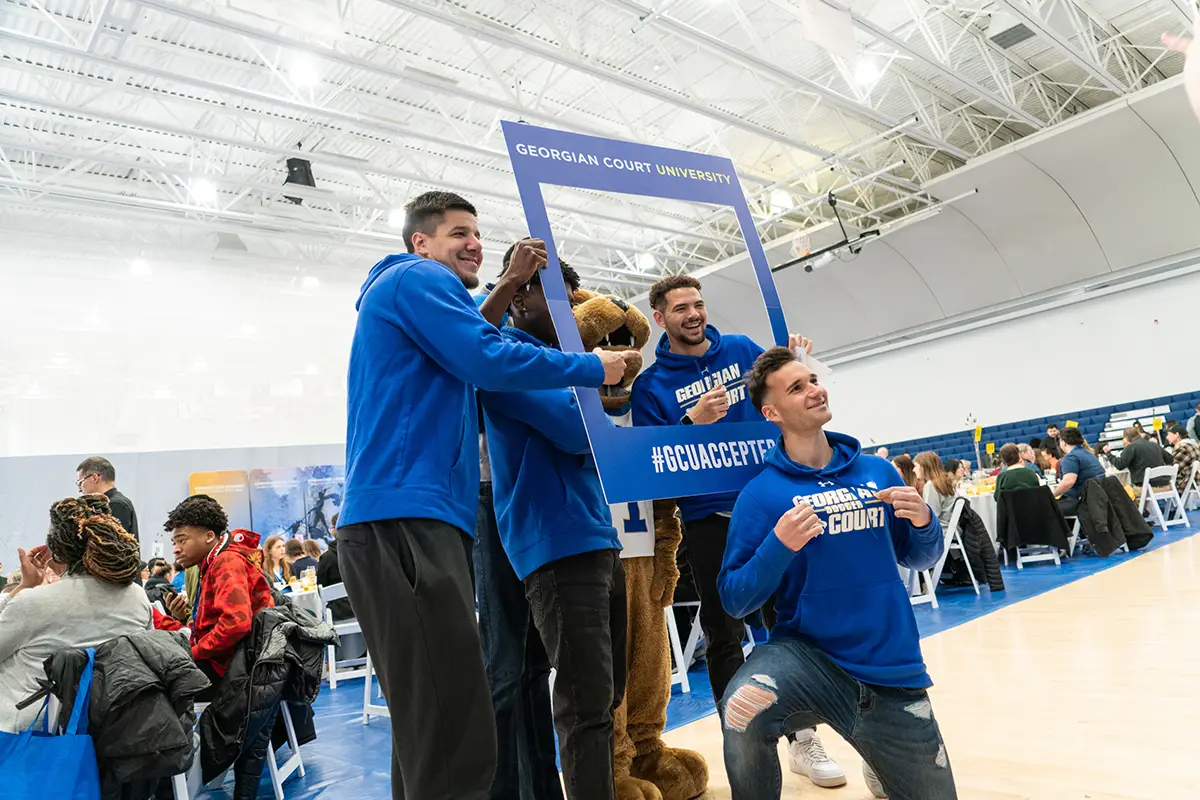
{"x": 789, "y": 684}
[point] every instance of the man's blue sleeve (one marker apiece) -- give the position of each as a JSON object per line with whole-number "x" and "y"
{"x": 755, "y": 559}
{"x": 554, "y": 413}
{"x": 433, "y": 307}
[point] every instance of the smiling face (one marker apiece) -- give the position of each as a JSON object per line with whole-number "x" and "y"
{"x": 683, "y": 316}
{"x": 454, "y": 243}
{"x": 794, "y": 400}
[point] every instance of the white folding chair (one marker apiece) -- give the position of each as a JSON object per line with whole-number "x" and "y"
{"x": 357, "y": 666}
{"x": 1073, "y": 539}
{"x": 679, "y": 673}
{"x": 370, "y": 707}
{"x": 1191, "y": 492}
{"x": 187, "y": 785}
{"x": 693, "y": 640}
{"x": 1153, "y": 495}
{"x": 953, "y": 541}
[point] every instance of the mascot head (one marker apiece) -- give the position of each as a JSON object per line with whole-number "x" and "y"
{"x": 611, "y": 323}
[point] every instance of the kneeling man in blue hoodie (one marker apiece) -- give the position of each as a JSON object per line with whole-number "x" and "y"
{"x": 557, "y": 529}
{"x": 822, "y": 528}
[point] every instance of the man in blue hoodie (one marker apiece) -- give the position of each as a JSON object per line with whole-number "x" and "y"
{"x": 557, "y": 530}
{"x": 821, "y": 529}
{"x": 412, "y": 478}
{"x": 698, "y": 378}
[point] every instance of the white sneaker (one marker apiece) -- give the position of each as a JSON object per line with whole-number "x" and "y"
{"x": 807, "y": 757}
{"x": 873, "y": 781}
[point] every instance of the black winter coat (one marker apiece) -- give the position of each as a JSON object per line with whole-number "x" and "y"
{"x": 140, "y": 716}
{"x": 1109, "y": 519}
{"x": 1031, "y": 517}
{"x": 980, "y": 551}
{"x": 280, "y": 661}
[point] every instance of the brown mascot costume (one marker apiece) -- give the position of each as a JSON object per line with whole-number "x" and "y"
{"x": 645, "y": 768}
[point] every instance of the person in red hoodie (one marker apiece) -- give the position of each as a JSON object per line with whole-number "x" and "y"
{"x": 232, "y": 589}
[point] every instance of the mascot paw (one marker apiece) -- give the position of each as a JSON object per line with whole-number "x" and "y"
{"x": 680, "y": 774}
{"x": 635, "y": 789}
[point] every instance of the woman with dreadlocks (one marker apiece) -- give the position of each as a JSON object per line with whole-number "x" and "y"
{"x": 96, "y": 599}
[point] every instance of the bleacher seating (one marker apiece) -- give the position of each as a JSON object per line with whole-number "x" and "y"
{"x": 1092, "y": 421}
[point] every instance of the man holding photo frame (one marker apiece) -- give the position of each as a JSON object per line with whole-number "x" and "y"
{"x": 699, "y": 378}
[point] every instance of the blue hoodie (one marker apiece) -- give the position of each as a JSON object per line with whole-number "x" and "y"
{"x": 549, "y": 504}
{"x": 420, "y": 348}
{"x": 665, "y": 391}
{"x": 841, "y": 590}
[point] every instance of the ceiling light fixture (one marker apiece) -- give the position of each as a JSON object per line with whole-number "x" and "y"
{"x": 304, "y": 71}
{"x": 203, "y": 191}
{"x": 781, "y": 202}
{"x": 866, "y": 72}
{"x": 646, "y": 262}
{"x": 396, "y": 218}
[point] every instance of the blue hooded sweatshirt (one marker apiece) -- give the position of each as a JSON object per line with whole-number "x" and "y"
{"x": 841, "y": 590}
{"x": 420, "y": 349}
{"x": 549, "y": 504}
{"x": 665, "y": 391}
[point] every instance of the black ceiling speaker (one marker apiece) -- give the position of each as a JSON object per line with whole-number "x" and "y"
{"x": 300, "y": 174}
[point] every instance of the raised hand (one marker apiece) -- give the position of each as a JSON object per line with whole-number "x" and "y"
{"x": 177, "y": 606}
{"x": 614, "y": 366}
{"x": 798, "y": 526}
{"x": 713, "y": 405}
{"x": 797, "y": 342}
{"x": 908, "y": 504}
{"x": 528, "y": 257}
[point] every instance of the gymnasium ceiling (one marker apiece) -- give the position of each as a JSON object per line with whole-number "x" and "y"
{"x": 160, "y": 129}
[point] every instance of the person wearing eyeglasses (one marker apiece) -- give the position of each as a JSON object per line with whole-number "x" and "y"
{"x": 97, "y": 475}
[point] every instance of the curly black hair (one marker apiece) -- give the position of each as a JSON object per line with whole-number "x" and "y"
{"x": 86, "y": 537}
{"x": 199, "y": 511}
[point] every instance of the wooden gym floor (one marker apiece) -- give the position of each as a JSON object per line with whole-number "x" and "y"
{"x": 1091, "y": 690}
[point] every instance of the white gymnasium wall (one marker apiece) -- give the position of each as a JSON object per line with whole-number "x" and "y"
{"x": 93, "y": 359}
{"x": 1123, "y": 347}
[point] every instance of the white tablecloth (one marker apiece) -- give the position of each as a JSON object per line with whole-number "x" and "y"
{"x": 985, "y": 506}
{"x": 310, "y": 601}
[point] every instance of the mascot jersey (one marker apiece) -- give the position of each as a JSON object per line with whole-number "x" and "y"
{"x": 670, "y": 386}
{"x": 634, "y": 521}
{"x": 548, "y": 499}
{"x": 841, "y": 590}
{"x": 412, "y": 433}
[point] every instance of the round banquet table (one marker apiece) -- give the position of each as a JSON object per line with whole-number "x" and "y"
{"x": 985, "y": 506}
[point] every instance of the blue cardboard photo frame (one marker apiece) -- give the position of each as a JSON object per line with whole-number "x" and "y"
{"x": 645, "y": 463}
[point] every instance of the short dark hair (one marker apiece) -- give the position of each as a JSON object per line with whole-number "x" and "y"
{"x": 766, "y": 365}
{"x": 99, "y": 466}
{"x": 199, "y": 511}
{"x": 159, "y": 567}
{"x": 1177, "y": 429}
{"x": 294, "y": 548}
{"x": 1073, "y": 436}
{"x": 660, "y": 289}
{"x": 1010, "y": 454}
{"x": 570, "y": 276}
{"x": 951, "y": 465}
{"x": 424, "y": 213}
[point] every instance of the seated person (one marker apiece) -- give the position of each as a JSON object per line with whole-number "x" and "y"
{"x": 297, "y": 559}
{"x": 159, "y": 582}
{"x": 312, "y": 548}
{"x": 96, "y": 600}
{"x": 232, "y": 589}
{"x": 180, "y": 576}
{"x": 1028, "y": 457}
{"x": 1184, "y": 452}
{"x": 904, "y": 465}
{"x": 557, "y": 529}
{"x": 935, "y": 484}
{"x": 275, "y": 562}
{"x": 329, "y": 574}
{"x": 1139, "y": 454}
{"x": 1050, "y": 456}
{"x": 845, "y": 649}
{"x": 1017, "y": 472}
{"x": 1079, "y": 465}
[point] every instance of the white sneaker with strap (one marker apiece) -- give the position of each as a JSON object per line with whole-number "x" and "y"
{"x": 807, "y": 757}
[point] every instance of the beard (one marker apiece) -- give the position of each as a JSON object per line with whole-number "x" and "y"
{"x": 470, "y": 281}
{"x": 691, "y": 337}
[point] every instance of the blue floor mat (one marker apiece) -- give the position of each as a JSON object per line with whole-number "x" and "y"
{"x": 350, "y": 759}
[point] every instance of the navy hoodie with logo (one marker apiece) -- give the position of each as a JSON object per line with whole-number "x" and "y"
{"x": 842, "y": 589}
{"x": 665, "y": 391}
{"x": 549, "y": 504}
{"x": 420, "y": 349}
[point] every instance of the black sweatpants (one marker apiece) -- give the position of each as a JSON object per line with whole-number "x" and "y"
{"x": 705, "y": 540}
{"x": 578, "y": 606}
{"x": 410, "y": 586}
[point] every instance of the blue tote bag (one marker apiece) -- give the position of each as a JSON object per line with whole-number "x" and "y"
{"x": 35, "y": 765}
